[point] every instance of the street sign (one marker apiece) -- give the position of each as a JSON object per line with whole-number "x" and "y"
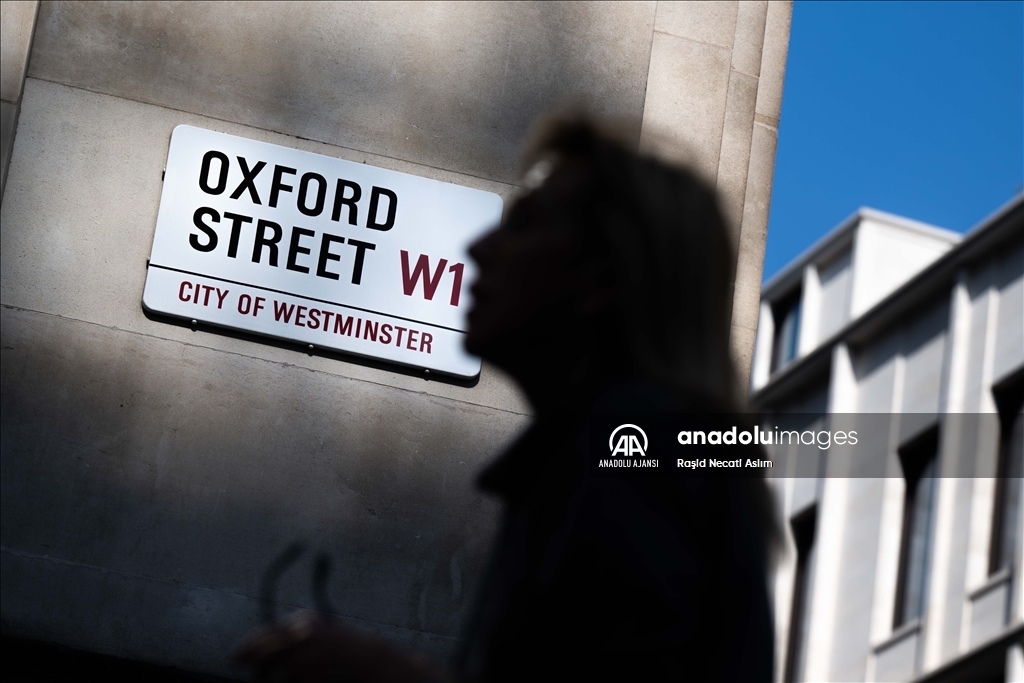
{"x": 316, "y": 250}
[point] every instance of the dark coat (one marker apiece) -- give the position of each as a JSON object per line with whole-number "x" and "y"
{"x": 620, "y": 578}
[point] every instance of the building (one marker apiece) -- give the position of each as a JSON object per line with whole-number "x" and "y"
{"x": 151, "y": 469}
{"x": 914, "y": 332}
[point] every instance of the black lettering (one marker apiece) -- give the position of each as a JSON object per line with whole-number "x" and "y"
{"x": 321, "y": 193}
{"x": 294, "y": 249}
{"x": 326, "y": 255}
{"x": 357, "y": 266}
{"x": 248, "y": 178}
{"x": 236, "y": 231}
{"x": 261, "y": 241}
{"x": 276, "y": 186}
{"x": 389, "y": 222}
{"x": 204, "y": 172}
{"x": 211, "y": 235}
{"x": 340, "y": 199}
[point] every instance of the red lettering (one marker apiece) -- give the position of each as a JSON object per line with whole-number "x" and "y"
{"x": 220, "y": 297}
{"x": 385, "y": 334}
{"x": 370, "y": 332}
{"x": 327, "y": 319}
{"x": 283, "y": 310}
{"x": 422, "y": 269}
{"x": 299, "y": 315}
{"x": 195, "y": 293}
{"x": 457, "y": 285}
{"x": 206, "y": 299}
{"x": 244, "y": 304}
{"x": 181, "y": 291}
{"x": 398, "y": 342}
{"x": 259, "y": 305}
{"x": 345, "y": 329}
{"x": 425, "y": 341}
{"x": 412, "y": 340}
{"x": 314, "y": 319}
{"x": 359, "y": 323}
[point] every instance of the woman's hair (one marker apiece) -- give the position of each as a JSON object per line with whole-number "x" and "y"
{"x": 659, "y": 234}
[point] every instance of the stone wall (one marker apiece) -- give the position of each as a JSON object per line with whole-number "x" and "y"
{"x": 151, "y": 471}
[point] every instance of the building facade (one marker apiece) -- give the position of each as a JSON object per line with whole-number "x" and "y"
{"x": 151, "y": 470}
{"x": 915, "y": 575}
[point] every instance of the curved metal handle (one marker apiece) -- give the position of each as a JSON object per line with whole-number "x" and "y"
{"x": 277, "y": 568}
{"x": 268, "y": 587}
{"x": 321, "y": 570}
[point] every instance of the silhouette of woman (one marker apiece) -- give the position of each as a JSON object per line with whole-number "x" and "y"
{"x": 606, "y": 288}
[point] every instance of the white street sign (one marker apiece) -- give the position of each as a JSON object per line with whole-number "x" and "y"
{"x": 317, "y": 250}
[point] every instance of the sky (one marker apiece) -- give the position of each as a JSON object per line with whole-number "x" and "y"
{"x": 915, "y": 108}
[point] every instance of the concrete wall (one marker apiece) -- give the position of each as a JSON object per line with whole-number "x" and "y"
{"x": 151, "y": 471}
{"x": 17, "y": 22}
{"x": 857, "y": 264}
{"x": 889, "y": 255}
{"x": 937, "y": 364}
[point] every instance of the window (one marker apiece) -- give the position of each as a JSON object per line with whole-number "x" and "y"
{"x": 1009, "y": 473}
{"x": 786, "y": 313}
{"x": 803, "y": 526}
{"x": 918, "y": 458}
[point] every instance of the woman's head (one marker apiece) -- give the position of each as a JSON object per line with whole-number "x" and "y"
{"x": 615, "y": 266}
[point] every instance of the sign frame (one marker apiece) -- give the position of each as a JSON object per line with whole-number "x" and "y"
{"x": 316, "y": 250}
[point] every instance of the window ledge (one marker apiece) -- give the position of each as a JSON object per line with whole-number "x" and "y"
{"x": 902, "y": 633}
{"x": 994, "y": 581}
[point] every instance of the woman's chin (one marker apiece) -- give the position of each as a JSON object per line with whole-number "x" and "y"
{"x": 476, "y": 334}
{"x": 478, "y": 342}
{"x": 471, "y": 342}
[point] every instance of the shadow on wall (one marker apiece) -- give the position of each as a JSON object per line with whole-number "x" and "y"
{"x": 157, "y": 496}
{"x": 453, "y": 85}
{"x": 147, "y": 484}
